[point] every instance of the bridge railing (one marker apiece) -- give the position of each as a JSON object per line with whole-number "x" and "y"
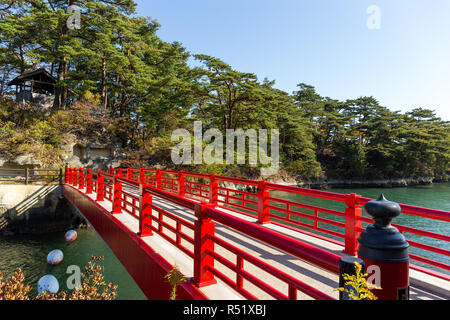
{"x": 198, "y": 239}
{"x": 208, "y": 254}
{"x": 194, "y": 185}
{"x": 273, "y": 203}
{"x": 107, "y": 185}
{"x": 174, "y": 229}
{"x": 30, "y": 175}
{"x": 201, "y": 247}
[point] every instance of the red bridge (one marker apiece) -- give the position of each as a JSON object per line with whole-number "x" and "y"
{"x": 238, "y": 239}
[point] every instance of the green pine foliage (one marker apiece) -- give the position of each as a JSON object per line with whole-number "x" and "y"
{"x": 146, "y": 88}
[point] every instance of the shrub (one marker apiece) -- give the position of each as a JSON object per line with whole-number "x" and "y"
{"x": 14, "y": 288}
{"x": 93, "y": 286}
{"x": 175, "y": 278}
{"x": 360, "y": 288}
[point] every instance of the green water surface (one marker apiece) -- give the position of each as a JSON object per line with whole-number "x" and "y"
{"x": 30, "y": 253}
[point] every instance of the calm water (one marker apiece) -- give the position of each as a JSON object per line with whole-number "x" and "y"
{"x": 30, "y": 252}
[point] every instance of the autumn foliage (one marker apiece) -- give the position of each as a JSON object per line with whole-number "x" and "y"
{"x": 93, "y": 286}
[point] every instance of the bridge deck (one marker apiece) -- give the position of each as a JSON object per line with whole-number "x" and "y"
{"x": 325, "y": 281}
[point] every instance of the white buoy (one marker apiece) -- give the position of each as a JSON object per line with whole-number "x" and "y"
{"x": 70, "y": 236}
{"x": 55, "y": 257}
{"x": 49, "y": 284}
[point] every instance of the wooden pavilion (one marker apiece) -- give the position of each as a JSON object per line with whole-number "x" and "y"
{"x": 37, "y": 87}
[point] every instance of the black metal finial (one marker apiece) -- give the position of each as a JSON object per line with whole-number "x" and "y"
{"x": 382, "y": 211}
{"x": 381, "y": 241}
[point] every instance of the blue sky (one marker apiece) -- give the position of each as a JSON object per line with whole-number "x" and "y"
{"x": 325, "y": 43}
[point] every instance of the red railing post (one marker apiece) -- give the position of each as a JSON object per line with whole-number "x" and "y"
{"x": 263, "y": 203}
{"x": 75, "y": 177}
{"x": 213, "y": 190}
{"x": 142, "y": 176}
{"x": 158, "y": 179}
{"x": 117, "y": 195}
{"x": 89, "y": 181}
{"x": 72, "y": 176}
{"x": 204, "y": 227}
{"x": 112, "y": 171}
{"x": 81, "y": 179}
{"x": 69, "y": 176}
{"x": 181, "y": 183}
{"x": 353, "y": 223}
{"x": 145, "y": 212}
{"x": 100, "y": 186}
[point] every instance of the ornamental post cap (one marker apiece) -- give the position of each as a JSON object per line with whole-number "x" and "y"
{"x": 383, "y": 211}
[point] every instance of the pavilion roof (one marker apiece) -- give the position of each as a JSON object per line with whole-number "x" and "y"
{"x": 39, "y": 76}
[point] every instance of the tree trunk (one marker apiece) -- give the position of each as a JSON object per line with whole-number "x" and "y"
{"x": 61, "y": 92}
{"x": 116, "y": 96}
{"x": 230, "y": 118}
{"x": 104, "y": 89}
{"x": 22, "y": 60}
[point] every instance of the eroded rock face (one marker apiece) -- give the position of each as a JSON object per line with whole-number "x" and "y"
{"x": 39, "y": 211}
{"x": 94, "y": 154}
{"x": 23, "y": 161}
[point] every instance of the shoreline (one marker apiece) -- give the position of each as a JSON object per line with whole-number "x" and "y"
{"x": 357, "y": 184}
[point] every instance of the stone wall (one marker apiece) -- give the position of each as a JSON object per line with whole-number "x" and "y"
{"x": 36, "y": 209}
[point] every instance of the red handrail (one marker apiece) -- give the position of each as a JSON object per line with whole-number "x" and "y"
{"x": 253, "y": 183}
{"x": 417, "y": 211}
{"x": 186, "y": 203}
{"x": 307, "y": 192}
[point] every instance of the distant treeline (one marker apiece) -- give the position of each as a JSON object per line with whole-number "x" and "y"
{"x": 149, "y": 88}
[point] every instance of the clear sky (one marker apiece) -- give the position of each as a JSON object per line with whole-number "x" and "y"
{"x": 404, "y": 64}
